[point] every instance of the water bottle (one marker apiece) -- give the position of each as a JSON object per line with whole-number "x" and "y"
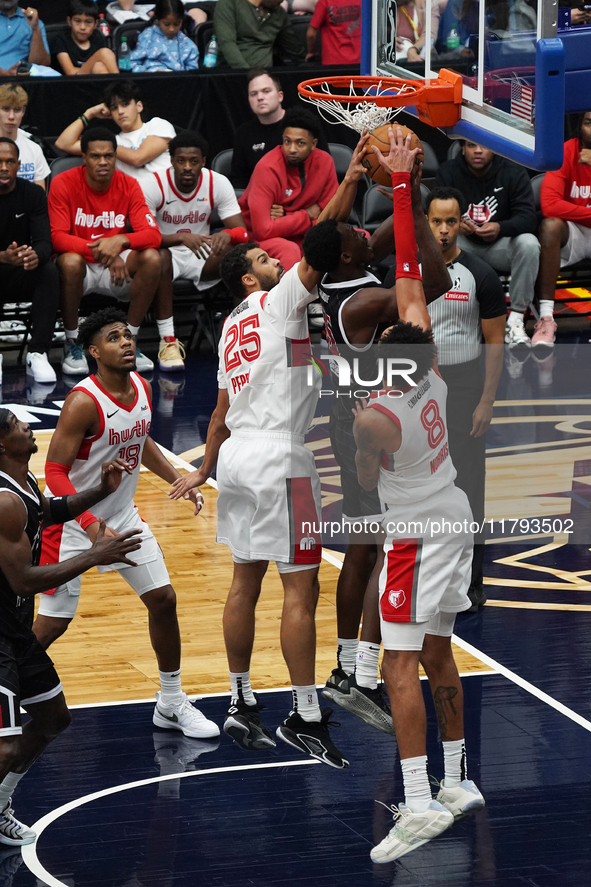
{"x": 453, "y": 40}
{"x": 124, "y": 63}
{"x": 103, "y": 26}
{"x": 211, "y": 53}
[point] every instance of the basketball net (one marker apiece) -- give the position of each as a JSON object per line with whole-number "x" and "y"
{"x": 358, "y": 115}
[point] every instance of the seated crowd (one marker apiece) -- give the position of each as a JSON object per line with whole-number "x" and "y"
{"x": 135, "y": 215}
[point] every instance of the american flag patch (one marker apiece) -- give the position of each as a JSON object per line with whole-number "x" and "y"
{"x": 521, "y": 100}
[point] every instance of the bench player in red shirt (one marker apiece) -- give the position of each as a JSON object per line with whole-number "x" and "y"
{"x": 89, "y": 210}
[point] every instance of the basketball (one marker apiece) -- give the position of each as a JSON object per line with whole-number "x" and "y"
{"x": 379, "y": 137}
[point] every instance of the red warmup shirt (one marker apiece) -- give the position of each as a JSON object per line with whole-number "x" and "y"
{"x": 79, "y": 214}
{"x": 340, "y": 31}
{"x": 274, "y": 181}
{"x": 566, "y": 192}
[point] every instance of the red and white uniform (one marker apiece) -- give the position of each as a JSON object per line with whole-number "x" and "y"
{"x": 566, "y": 195}
{"x": 269, "y": 491}
{"x": 123, "y": 430}
{"x": 176, "y": 212}
{"x": 428, "y": 548}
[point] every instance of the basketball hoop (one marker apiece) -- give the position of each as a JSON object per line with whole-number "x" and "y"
{"x": 368, "y": 102}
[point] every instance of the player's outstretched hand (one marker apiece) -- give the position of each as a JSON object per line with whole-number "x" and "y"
{"x": 111, "y": 473}
{"x": 114, "y": 549}
{"x": 360, "y": 405}
{"x": 196, "y": 497}
{"x": 356, "y": 168}
{"x": 400, "y": 158}
{"x": 186, "y": 488}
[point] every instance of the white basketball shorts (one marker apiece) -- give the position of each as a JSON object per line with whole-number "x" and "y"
{"x": 98, "y": 280}
{"x": 187, "y": 266}
{"x": 578, "y": 245}
{"x": 269, "y": 499}
{"x": 427, "y": 573}
{"x": 63, "y": 541}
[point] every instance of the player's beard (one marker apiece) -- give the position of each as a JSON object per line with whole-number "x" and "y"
{"x": 267, "y": 282}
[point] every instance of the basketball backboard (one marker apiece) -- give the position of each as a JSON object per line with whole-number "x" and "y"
{"x": 512, "y": 58}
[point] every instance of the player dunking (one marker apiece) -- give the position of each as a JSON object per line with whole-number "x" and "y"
{"x": 27, "y": 675}
{"x": 403, "y": 450}
{"x": 268, "y": 484}
{"x": 107, "y": 415}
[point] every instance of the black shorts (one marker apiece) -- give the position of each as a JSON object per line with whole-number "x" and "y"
{"x": 27, "y": 675}
{"x": 357, "y": 502}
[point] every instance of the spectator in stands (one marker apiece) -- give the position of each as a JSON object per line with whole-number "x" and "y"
{"x": 90, "y": 207}
{"x": 182, "y": 201}
{"x": 162, "y": 46}
{"x": 141, "y": 147}
{"x": 13, "y": 104}
{"x": 579, "y": 11}
{"x": 410, "y": 30}
{"x": 22, "y": 38}
{"x": 499, "y": 225}
{"x": 565, "y": 231}
{"x": 84, "y": 50}
{"x": 250, "y": 32}
{"x": 289, "y": 188}
{"x": 26, "y": 274}
{"x": 257, "y": 137}
{"x": 340, "y": 33}
{"x": 125, "y": 6}
{"x": 473, "y": 309}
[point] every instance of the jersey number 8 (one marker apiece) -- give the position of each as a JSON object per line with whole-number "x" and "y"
{"x": 433, "y": 423}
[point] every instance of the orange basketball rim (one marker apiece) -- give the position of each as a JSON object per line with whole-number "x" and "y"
{"x": 350, "y": 99}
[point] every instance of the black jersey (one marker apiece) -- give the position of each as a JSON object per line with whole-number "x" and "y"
{"x": 16, "y": 613}
{"x": 333, "y": 297}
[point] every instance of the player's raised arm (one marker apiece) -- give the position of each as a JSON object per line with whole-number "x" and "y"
{"x": 410, "y": 296}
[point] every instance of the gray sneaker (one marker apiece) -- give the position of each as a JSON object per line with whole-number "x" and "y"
{"x": 143, "y": 364}
{"x": 74, "y": 362}
{"x": 365, "y": 702}
{"x": 13, "y": 832}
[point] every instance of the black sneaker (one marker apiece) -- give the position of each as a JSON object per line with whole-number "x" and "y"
{"x": 368, "y": 704}
{"x": 312, "y": 737}
{"x": 477, "y": 598}
{"x": 336, "y": 685}
{"x": 245, "y": 727}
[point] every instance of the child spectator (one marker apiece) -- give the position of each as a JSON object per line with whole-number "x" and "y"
{"x": 13, "y": 104}
{"x": 84, "y": 50}
{"x": 162, "y": 46}
{"x": 340, "y": 32}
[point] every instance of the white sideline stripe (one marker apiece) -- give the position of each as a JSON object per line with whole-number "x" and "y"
{"x": 525, "y": 685}
{"x": 29, "y": 851}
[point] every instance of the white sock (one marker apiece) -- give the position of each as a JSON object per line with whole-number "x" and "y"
{"x": 165, "y": 327}
{"x": 240, "y": 687}
{"x": 515, "y": 315}
{"x": 7, "y": 787}
{"x": 71, "y": 335}
{"x": 305, "y": 702}
{"x": 454, "y": 762}
{"x": 417, "y": 791}
{"x": 134, "y": 330}
{"x": 546, "y": 308}
{"x": 170, "y": 687}
{"x": 366, "y": 667}
{"x": 346, "y": 654}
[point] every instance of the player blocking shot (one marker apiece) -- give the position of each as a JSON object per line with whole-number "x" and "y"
{"x": 269, "y": 488}
{"x": 28, "y": 678}
{"x": 402, "y": 450}
{"x": 109, "y": 415}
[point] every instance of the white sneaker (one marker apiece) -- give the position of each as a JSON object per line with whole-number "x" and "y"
{"x": 184, "y": 717}
{"x": 74, "y": 362}
{"x": 39, "y": 367}
{"x": 411, "y": 830}
{"x": 143, "y": 364}
{"x": 515, "y": 335}
{"x": 13, "y": 832}
{"x": 461, "y": 799}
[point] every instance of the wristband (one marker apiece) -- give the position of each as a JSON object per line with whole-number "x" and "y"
{"x": 237, "y": 235}
{"x": 84, "y": 120}
{"x": 60, "y": 510}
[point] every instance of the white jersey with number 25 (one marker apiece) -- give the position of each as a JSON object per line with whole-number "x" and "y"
{"x": 265, "y": 360}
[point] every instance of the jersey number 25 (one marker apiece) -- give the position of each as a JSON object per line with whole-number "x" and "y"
{"x": 242, "y": 343}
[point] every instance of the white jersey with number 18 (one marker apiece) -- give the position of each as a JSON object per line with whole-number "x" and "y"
{"x": 265, "y": 360}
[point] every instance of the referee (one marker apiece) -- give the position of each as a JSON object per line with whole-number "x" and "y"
{"x": 472, "y": 310}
